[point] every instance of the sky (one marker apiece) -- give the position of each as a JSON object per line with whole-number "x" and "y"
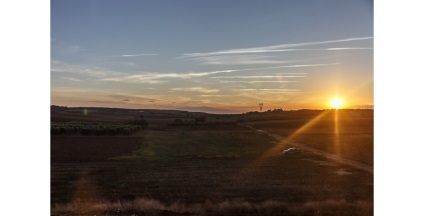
{"x": 214, "y": 56}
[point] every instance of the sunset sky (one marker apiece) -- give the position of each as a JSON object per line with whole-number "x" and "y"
{"x": 82, "y": 43}
{"x": 213, "y": 56}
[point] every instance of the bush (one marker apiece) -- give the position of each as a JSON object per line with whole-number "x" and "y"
{"x": 85, "y": 128}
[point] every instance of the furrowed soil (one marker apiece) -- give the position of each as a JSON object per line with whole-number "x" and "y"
{"x": 90, "y": 148}
{"x": 208, "y": 169}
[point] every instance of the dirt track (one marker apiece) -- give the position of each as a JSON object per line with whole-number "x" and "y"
{"x": 336, "y": 158}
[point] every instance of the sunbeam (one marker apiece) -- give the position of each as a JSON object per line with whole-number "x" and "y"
{"x": 280, "y": 145}
{"x": 336, "y": 132}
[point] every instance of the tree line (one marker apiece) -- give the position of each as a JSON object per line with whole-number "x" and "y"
{"x": 92, "y": 128}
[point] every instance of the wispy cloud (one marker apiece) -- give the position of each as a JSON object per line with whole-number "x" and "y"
{"x": 291, "y": 73}
{"x": 256, "y": 55}
{"x": 258, "y": 81}
{"x": 264, "y": 90}
{"x": 308, "y": 65}
{"x": 73, "y": 79}
{"x": 216, "y": 95}
{"x": 348, "y": 48}
{"x": 138, "y": 77}
{"x": 141, "y": 78}
{"x": 265, "y": 95}
{"x": 110, "y": 96}
{"x": 132, "y": 97}
{"x": 267, "y": 49}
{"x": 154, "y": 78}
{"x": 196, "y": 89}
{"x": 239, "y": 60}
{"x": 87, "y": 71}
{"x": 255, "y": 77}
{"x": 135, "y": 55}
{"x": 284, "y": 66}
{"x": 90, "y": 72}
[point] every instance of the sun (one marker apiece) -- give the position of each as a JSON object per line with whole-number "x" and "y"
{"x": 336, "y": 103}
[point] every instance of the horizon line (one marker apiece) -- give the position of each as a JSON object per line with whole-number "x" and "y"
{"x": 191, "y": 109}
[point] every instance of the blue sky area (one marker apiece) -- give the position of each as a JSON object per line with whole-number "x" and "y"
{"x": 216, "y": 56}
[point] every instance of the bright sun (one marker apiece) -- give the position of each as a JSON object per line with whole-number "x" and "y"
{"x": 336, "y": 103}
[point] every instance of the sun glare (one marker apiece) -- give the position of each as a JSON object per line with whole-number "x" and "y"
{"x": 336, "y": 103}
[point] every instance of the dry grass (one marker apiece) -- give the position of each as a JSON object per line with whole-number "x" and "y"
{"x": 137, "y": 205}
{"x": 271, "y": 207}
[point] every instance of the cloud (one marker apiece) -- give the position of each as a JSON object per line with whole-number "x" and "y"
{"x": 306, "y": 65}
{"x": 258, "y": 81}
{"x": 139, "y": 77}
{"x": 154, "y": 78}
{"x": 291, "y": 73}
{"x": 215, "y": 95}
{"x": 88, "y": 71}
{"x": 267, "y": 49}
{"x": 255, "y": 55}
{"x": 253, "y": 93}
{"x": 142, "y": 54}
{"x": 208, "y": 109}
{"x": 239, "y": 60}
{"x": 267, "y": 91}
{"x": 160, "y": 77}
{"x": 290, "y": 66}
{"x": 256, "y": 77}
{"x": 130, "y": 97}
{"x": 73, "y": 79}
{"x": 348, "y": 48}
{"x": 196, "y": 89}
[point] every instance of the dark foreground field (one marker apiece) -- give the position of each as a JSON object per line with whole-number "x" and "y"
{"x": 213, "y": 167}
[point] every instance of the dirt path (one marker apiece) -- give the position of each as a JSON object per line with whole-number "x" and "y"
{"x": 336, "y": 158}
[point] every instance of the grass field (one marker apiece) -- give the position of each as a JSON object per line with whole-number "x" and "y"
{"x": 207, "y": 169}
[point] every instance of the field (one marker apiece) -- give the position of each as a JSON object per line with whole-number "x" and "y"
{"x": 217, "y": 166}
{"x": 349, "y": 133}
